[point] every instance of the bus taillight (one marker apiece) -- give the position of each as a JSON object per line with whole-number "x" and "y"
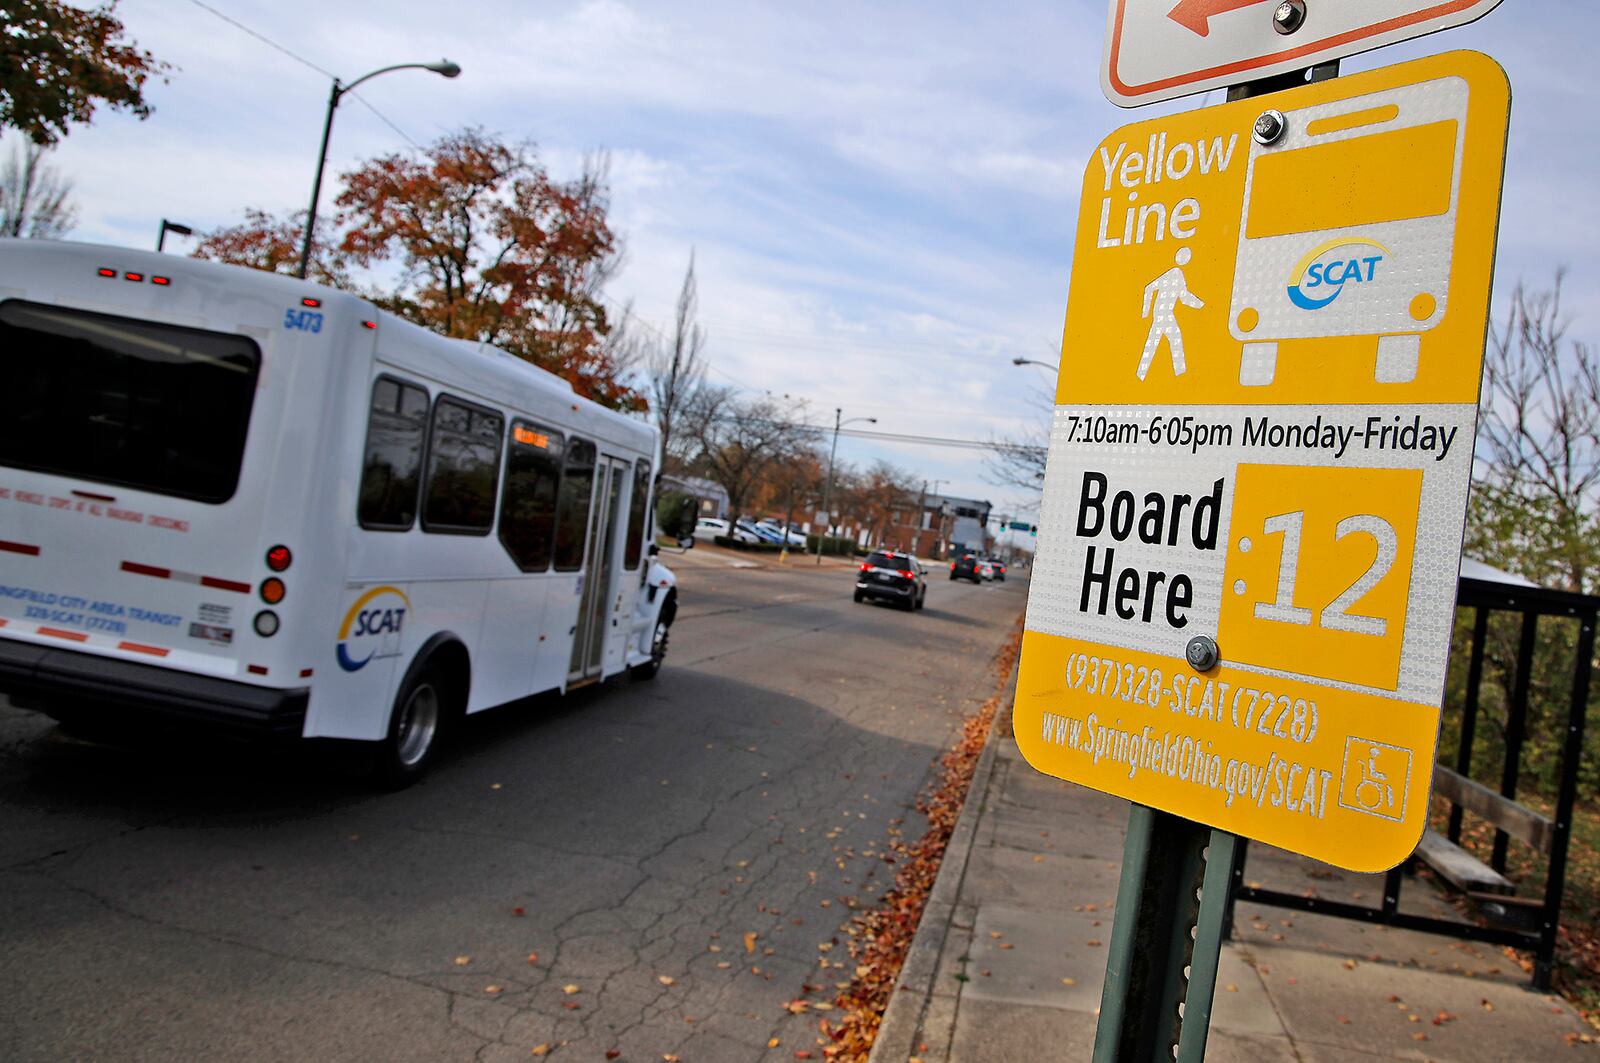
{"x": 279, "y": 558}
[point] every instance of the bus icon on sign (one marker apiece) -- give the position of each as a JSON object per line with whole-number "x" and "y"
{"x": 1349, "y": 227}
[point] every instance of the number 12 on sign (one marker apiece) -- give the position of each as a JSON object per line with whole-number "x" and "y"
{"x": 1318, "y": 570}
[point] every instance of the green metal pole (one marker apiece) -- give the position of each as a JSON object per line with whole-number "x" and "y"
{"x": 1166, "y": 939}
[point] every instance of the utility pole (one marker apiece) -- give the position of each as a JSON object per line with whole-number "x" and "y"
{"x": 827, "y": 490}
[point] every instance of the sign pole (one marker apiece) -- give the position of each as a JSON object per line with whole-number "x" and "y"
{"x": 1166, "y": 940}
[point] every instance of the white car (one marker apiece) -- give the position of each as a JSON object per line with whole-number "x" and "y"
{"x": 986, "y": 570}
{"x": 709, "y": 528}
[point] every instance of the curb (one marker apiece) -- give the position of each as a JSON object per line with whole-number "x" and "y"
{"x": 914, "y": 988}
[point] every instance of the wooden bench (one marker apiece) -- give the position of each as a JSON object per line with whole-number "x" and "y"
{"x": 1492, "y": 891}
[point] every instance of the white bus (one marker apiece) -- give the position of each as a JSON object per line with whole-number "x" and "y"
{"x": 242, "y": 499}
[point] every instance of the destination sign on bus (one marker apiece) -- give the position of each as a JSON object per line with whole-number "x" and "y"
{"x": 1260, "y": 454}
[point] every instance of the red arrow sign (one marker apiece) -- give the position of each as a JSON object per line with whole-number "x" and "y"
{"x": 1196, "y": 14}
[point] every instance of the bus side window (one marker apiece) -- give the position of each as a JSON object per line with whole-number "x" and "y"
{"x": 634, "y": 547}
{"x": 572, "y": 510}
{"x": 393, "y": 462}
{"x": 463, "y": 459}
{"x": 528, "y": 499}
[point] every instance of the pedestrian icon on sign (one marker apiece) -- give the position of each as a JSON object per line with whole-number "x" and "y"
{"x": 1163, "y": 295}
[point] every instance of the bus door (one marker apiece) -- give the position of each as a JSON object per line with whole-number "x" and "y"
{"x": 588, "y": 643}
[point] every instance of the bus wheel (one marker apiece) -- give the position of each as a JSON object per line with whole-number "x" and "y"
{"x": 415, "y": 729}
{"x": 658, "y": 653}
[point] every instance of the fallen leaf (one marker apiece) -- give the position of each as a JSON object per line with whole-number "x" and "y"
{"x": 664, "y": 979}
{"x": 1093, "y": 942}
{"x": 1007, "y": 945}
{"x": 613, "y": 1053}
{"x": 518, "y": 911}
{"x": 462, "y": 961}
{"x": 1069, "y": 981}
{"x": 750, "y": 941}
{"x": 1419, "y": 1036}
{"x": 569, "y": 989}
{"x": 1344, "y": 1020}
{"x": 1232, "y": 988}
{"x": 533, "y": 957}
{"x": 773, "y": 1043}
{"x": 571, "y": 1005}
{"x": 492, "y": 989}
{"x": 540, "y": 1050}
{"x": 801, "y": 1053}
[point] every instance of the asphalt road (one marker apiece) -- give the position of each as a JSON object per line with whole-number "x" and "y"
{"x": 195, "y": 902}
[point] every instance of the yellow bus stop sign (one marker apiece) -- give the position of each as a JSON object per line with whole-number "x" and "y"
{"x": 1262, "y": 442}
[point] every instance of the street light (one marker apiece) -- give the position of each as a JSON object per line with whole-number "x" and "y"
{"x": 827, "y": 491}
{"x": 444, "y": 68}
{"x": 171, "y": 227}
{"x": 1030, "y": 361}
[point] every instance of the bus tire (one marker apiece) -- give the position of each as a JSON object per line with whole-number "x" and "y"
{"x": 417, "y": 725}
{"x": 658, "y": 651}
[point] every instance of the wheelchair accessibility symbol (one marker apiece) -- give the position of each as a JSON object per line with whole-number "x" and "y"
{"x": 1375, "y": 778}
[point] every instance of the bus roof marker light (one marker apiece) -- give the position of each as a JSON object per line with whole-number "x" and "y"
{"x": 158, "y": 279}
{"x": 132, "y": 276}
{"x": 104, "y": 272}
{"x": 369, "y": 324}
{"x": 313, "y": 303}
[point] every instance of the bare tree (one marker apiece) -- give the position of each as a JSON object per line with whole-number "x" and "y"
{"x": 675, "y": 368}
{"x": 33, "y": 196}
{"x": 1538, "y": 456}
{"x": 738, "y": 442}
{"x": 1018, "y": 460}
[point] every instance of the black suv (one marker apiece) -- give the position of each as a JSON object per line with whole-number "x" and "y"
{"x": 896, "y": 577}
{"x": 966, "y": 567}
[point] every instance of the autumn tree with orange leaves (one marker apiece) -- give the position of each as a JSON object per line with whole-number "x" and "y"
{"x": 490, "y": 247}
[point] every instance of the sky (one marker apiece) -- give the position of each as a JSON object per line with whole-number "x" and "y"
{"x": 881, "y": 198}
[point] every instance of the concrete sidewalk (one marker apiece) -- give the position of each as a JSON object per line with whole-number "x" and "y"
{"x": 1008, "y": 962}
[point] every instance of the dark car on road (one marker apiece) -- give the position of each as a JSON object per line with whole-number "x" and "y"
{"x": 966, "y": 567}
{"x": 893, "y": 577}
{"x": 999, "y": 567}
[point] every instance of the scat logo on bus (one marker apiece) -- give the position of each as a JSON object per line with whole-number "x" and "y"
{"x": 1319, "y": 277}
{"x": 372, "y": 627}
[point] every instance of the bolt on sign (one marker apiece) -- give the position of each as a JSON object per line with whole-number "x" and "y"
{"x": 1161, "y": 49}
{"x": 1261, "y": 449}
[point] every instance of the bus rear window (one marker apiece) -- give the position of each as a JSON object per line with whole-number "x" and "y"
{"x": 121, "y": 401}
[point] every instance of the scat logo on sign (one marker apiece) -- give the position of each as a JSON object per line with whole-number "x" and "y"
{"x": 372, "y": 627}
{"x": 1314, "y": 283}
